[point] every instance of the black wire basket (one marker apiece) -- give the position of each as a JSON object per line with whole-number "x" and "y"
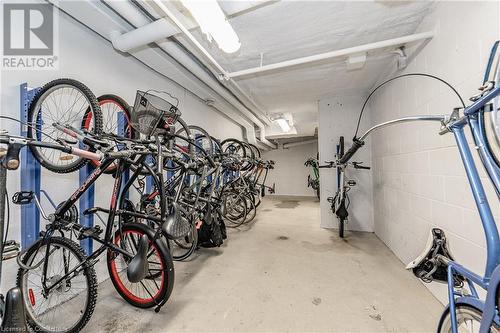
{"x": 151, "y": 114}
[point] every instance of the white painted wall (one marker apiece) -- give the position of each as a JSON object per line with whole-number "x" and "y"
{"x": 338, "y": 117}
{"x": 419, "y": 181}
{"x": 290, "y": 174}
{"x": 90, "y": 59}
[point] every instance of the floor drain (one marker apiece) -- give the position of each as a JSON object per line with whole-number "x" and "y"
{"x": 282, "y": 238}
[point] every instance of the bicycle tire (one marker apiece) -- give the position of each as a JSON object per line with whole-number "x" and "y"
{"x": 464, "y": 311}
{"x": 234, "y": 220}
{"x": 341, "y": 228}
{"x": 233, "y": 146}
{"x": 248, "y": 165}
{"x": 128, "y": 130}
{"x": 189, "y": 249}
{"x": 255, "y": 149}
{"x": 251, "y": 209}
{"x": 198, "y": 133}
{"x": 35, "y": 114}
{"x": 166, "y": 269}
{"x": 217, "y": 146}
{"x": 88, "y": 271}
{"x": 257, "y": 199}
{"x": 341, "y": 147}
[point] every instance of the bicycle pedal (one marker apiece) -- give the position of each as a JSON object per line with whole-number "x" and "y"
{"x": 87, "y": 232}
{"x": 11, "y": 249}
{"x": 23, "y": 197}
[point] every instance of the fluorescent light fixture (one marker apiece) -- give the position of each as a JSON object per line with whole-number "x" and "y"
{"x": 213, "y": 23}
{"x": 283, "y": 123}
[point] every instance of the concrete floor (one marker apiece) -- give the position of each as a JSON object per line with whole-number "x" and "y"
{"x": 283, "y": 274}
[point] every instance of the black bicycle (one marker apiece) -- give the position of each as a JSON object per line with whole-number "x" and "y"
{"x": 340, "y": 201}
{"x": 12, "y": 314}
{"x": 55, "y": 271}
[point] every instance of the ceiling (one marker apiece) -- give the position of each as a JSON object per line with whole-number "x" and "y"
{"x": 272, "y": 32}
{"x": 286, "y": 30}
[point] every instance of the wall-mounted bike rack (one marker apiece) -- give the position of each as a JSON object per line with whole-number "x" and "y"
{"x": 30, "y": 175}
{"x": 31, "y": 181}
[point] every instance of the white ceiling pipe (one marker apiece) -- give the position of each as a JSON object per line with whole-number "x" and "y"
{"x": 248, "y": 129}
{"x": 190, "y": 36}
{"x": 187, "y": 33}
{"x": 300, "y": 143}
{"x": 335, "y": 54}
{"x": 221, "y": 106}
{"x": 162, "y": 28}
{"x": 143, "y": 35}
{"x": 149, "y": 32}
{"x": 177, "y": 53}
{"x": 132, "y": 14}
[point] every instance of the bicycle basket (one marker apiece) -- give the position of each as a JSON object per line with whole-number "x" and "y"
{"x": 152, "y": 114}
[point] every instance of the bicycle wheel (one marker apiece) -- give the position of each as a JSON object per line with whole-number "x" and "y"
{"x": 183, "y": 248}
{"x": 257, "y": 198}
{"x": 63, "y": 101}
{"x": 250, "y": 154}
{"x": 233, "y": 147}
{"x": 203, "y": 143}
{"x": 341, "y": 228}
{"x": 116, "y": 120}
{"x": 234, "y": 209}
{"x": 157, "y": 286}
{"x": 251, "y": 209}
{"x": 468, "y": 320}
{"x": 217, "y": 146}
{"x": 341, "y": 146}
{"x": 255, "y": 150}
{"x": 70, "y": 304}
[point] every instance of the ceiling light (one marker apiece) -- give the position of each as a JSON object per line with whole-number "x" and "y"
{"x": 214, "y": 24}
{"x": 283, "y": 123}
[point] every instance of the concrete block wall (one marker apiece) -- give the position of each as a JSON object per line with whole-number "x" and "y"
{"x": 418, "y": 178}
{"x": 289, "y": 173}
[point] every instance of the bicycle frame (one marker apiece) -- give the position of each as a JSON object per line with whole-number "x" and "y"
{"x": 455, "y": 124}
{"x": 106, "y": 243}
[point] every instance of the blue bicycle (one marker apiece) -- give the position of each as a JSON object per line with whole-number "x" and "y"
{"x": 466, "y": 311}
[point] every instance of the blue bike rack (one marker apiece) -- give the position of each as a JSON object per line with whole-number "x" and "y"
{"x": 30, "y": 175}
{"x": 87, "y": 199}
{"x": 31, "y": 180}
{"x": 121, "y": 132}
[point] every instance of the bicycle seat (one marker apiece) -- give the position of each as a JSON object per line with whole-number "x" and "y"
{"x": 14, "y": 313}
{"x": 431, "y": 264}
{"x": 138, "y": 267}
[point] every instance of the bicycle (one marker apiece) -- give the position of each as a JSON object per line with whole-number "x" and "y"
{"x": 55, "y": 270}
{"x": 340, "y": 202}
{"x": 12, "y": 312}
{"x": 466, "y": 310}
{"x": 313, "y": 181}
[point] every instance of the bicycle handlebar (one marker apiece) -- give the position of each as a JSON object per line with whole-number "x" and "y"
{"x": 11, "y": 159}
{"x": 357, "y": 165}
{"x": 356, "y": 144}
{"x": 84, "y": 137}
